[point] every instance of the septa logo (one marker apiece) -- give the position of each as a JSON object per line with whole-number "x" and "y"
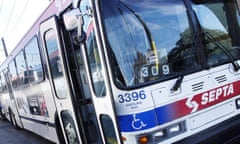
{"x": 192, "y": 104}
{"x": 212, "y": 97}
{"x": 217, "y": 94}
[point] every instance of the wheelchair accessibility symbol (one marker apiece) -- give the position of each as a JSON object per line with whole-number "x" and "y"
{"x": 137, "y": 123}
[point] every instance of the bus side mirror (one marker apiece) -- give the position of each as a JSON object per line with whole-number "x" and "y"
{"x": 71, "y": 19}
{"x": 74, "y": 20}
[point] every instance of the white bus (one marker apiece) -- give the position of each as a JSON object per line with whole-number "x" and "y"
{"x": 128, "y": 72}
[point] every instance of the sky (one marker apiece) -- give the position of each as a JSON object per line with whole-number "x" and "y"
{"x": 16, "y": 17}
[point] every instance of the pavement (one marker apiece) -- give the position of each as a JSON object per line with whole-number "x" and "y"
{"x": 11, "y": 135}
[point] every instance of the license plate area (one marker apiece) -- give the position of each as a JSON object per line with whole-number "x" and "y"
{"x": 211, "y": 115}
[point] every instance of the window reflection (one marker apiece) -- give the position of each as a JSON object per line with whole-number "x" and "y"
{"x": 55, "y": 64}
{"x": 13, "y": 74}
{"x": 35, "y": 70}
{"x": 148, "y": 40}
{"x": 108, "y": 129}
{"x": 220, "y": 26}
{"x": 3, "y": 83}
{"x": 95, "y": 65}
{"x": 21, "y": 69}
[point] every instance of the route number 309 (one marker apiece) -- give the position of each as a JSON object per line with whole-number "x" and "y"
{"x": 131, "y": 96}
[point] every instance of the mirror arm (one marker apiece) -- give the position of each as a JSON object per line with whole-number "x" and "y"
{"x": 80, "y": 24}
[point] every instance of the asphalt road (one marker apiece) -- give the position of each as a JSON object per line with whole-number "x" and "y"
{"x": 10, "y": 135}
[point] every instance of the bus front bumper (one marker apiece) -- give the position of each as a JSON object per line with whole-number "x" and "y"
{"x": 227, "y": 132}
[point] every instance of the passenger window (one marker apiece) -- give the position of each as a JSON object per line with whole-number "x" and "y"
{"x": 55, "y": 63}
{"x": 95, "y": 65}
{"x": 35, "y": 70}
{"x": 21, "y": 69}
{"x": 13, "y": 74}
{"x": 4, "y": 84}
{"x": 1, "y": 85}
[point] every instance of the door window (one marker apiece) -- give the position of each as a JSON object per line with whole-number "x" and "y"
{"x": 55, "y": 63}
{"x": 95, "y": 65}
{"x": 108, "y": 129}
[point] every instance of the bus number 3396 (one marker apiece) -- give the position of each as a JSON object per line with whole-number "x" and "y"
{"x": 131, "y": 96}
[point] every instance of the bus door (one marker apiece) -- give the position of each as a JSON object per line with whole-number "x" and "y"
{"x": 100, "y": 88}
{"x": 57, "y": 74}
{"x": 97, "y": 75}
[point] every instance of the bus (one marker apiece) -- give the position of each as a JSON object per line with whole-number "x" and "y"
{"x": 128, "y": 72}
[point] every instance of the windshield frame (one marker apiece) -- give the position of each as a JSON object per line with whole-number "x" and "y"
{"x": 197, "y": 37}
{"x": 175, "y": 75}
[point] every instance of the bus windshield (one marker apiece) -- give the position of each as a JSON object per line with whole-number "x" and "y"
{"x": 153, "y": 40}
{"x": 148, "y": 40}
{"x": 219, "y": 21}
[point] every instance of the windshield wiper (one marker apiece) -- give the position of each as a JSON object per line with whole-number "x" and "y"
{"x": 180, "y": 78}
{"x": 178, "y": 83}
{"x": 145, "y": 27}
{"x": 223, "y": 48}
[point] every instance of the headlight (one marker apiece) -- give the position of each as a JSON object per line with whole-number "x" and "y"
{"x": 238, "y": 103}
{"x": 163, "y": 134}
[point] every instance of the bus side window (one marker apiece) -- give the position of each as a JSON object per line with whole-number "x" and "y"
{"x": 1, "y": 84}
{"x": 4, "y": 84}
{"x": 21, "y": 69}
{"x": 95, "y": 66}
{"x": 13, "y": 74}
{"x": 35, "y": 69}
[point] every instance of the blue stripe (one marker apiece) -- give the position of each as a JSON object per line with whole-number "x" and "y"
{"x": 137, "y": 122}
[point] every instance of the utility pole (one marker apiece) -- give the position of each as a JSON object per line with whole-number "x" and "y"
{"x": 4, "y": 47}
